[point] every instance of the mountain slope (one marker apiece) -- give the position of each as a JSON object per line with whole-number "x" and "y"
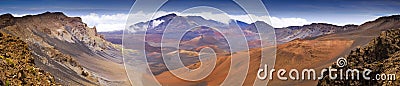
{"x": 381, "y": 55}
{"x": 359, "y": 37}
{"x": 365, "y": 32}
{"x": 66, "y": 47}
{"x": 310, "y": 31}
{"x": 318, "y": 53}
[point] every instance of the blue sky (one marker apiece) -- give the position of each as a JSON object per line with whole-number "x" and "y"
{"x": 285, "y": 12}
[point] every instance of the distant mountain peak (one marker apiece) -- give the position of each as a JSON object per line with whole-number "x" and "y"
{"x": 53, "y": 13}
{"x": 172, "y": 14}
{"x": 321, "y": 24}
{"x": 385, "y": 18}
{"x": 390, "y": 17}
{"x": 241, "y": 22}
{"x": 8, "y": 15}
{"x": 166, "y": 17}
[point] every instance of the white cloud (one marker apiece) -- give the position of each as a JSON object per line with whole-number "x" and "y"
{"x": 20, "y": 15}
{"x": 157, "y": 22}
{"x": 285, "y": 22}
{"x": 118, "y": 21}
{"x": 276, "y": 21}
{"x": 142, "y": 17}
{"x": 105, "y": 22}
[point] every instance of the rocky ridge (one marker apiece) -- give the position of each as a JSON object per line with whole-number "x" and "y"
{"x": 64, "y": 46}
{"x": 381, "y": 55}
{"x": 309, "y": 31}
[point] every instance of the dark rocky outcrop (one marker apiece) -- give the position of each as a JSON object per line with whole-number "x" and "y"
{"x": 381, "y": 55}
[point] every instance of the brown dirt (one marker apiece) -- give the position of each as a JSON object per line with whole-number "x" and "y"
{"x": 381, "y": 55}
{"x": 315, "y": 53}
{"x": 17, "y": 65}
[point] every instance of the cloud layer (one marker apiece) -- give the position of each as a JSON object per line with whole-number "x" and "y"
{"x": 118, "y": 21}
{"x": 285, "y": 22}
{"x": 105, "y": 23}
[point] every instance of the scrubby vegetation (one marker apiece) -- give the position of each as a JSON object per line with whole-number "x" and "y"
{"x": 17, "y": 65}
{"x": 381, "y": 55}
